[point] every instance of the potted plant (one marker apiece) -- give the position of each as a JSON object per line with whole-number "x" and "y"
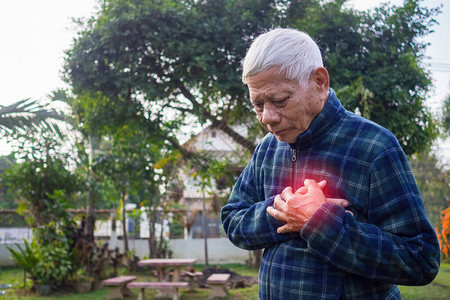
{"x": 83, "y": 282}
{"x": 44, "y": 288}
{"x": 55, "y": 265}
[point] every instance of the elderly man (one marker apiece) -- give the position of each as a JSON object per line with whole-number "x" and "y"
{"x": 328, "y": 195}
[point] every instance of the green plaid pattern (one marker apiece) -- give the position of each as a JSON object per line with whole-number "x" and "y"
{"x": 387, "y": 241}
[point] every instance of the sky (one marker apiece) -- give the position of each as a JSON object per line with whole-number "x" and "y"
{"x": 35, "y": 34}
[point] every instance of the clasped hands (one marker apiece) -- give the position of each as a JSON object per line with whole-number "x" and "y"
{"x": 295, "y": 209}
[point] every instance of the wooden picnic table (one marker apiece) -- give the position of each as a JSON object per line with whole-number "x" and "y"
{"x": 163, "y": 264}
{"x": 163, "y": 267}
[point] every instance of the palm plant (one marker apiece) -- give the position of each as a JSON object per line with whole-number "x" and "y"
{"x": 26, "y": 258}
{"x": 28, "y": 115}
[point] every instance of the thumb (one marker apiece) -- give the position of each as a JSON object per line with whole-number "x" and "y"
{"x": 323, "y": 184}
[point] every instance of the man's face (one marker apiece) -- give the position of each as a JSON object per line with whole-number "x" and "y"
{"x": 283, "y": 106}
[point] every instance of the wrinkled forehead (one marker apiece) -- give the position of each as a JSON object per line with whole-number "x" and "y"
{"x": 270, "y": 83}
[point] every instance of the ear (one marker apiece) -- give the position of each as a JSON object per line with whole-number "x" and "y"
{"x": 321, "y": 79}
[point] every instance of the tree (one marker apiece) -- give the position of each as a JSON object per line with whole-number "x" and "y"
{"x": 434, "y": 185}
{"x": 85, "y": 109}
{"x": 121, "y": 154}
{"x": 178, "y": 63}
{"x": 375, "y": 58}
{"x": 128, "y": 164}
{"x": 446, "y": 116}
{"x": 28, "y": 115}
{"x": 43, "y": 182}
{"x": 175, "y": 75}
{"x": 6, "y": 195}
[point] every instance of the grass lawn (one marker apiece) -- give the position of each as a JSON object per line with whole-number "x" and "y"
{"x": 438, "y": 289}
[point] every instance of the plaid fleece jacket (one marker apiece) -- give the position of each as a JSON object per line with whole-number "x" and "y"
{"x": 387, "y": 241}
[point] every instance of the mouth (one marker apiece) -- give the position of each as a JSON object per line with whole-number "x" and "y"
{"x": 279, "y": 132}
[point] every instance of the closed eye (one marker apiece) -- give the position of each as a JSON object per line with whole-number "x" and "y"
{"x": 259, "y": 106}
{"x": 282, "y": 102}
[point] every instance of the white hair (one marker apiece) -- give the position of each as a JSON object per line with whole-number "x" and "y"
{"x": 292, "y": 50}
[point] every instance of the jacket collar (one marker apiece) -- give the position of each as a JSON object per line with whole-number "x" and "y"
{"x": 324, "y": 121}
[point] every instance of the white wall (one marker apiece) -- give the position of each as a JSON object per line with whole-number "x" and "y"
{"x": 220, "y": 250}
{"x": 9, "y": 237}
{"x": 5, "y": 255}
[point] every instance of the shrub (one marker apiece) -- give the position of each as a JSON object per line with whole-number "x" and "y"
{"x": 444, "y": 233}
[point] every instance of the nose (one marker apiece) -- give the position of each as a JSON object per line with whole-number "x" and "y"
{"x": 270, "y": 115}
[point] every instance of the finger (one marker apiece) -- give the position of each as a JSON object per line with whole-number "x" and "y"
{"x": 275, "y": 213}
{"x": 309, "y": 183}
{"x": 279, "y": 203}
{"x": 288, "y": 228}
{"x": 271, "y": 211}
{"x": 322, "y": 184}
{"x": 338, "y": 201}
{"x": 287, "y": 193}
{"x": 350, "y": 212}
{"x": 285, "y": 228}
{"x": 303, "y": 190}
{"x": 278, "y": 198}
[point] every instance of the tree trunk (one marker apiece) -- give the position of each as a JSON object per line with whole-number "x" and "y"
{"x": 205, "y": 232}
{"x": 124, "y": 223}
{"x": 152, "y": 236}
{"x": 90, "y": 212}
{"x": 161, "y": 250}
{"x": 90, "y": 208}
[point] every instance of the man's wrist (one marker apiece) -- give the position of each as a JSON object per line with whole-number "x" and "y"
{"x": 325, "y": 220}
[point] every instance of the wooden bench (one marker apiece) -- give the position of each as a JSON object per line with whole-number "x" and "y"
{"x": 218, "y": 285}
{"x": 118, "y": 287}
{"x": 172, "y": 286}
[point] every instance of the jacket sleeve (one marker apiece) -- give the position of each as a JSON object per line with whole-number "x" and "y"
{"x": 397, "y": 244}
{"x": 245, "y": 219}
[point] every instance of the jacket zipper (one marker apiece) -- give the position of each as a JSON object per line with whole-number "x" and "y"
{"x": 294, "y": 159}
